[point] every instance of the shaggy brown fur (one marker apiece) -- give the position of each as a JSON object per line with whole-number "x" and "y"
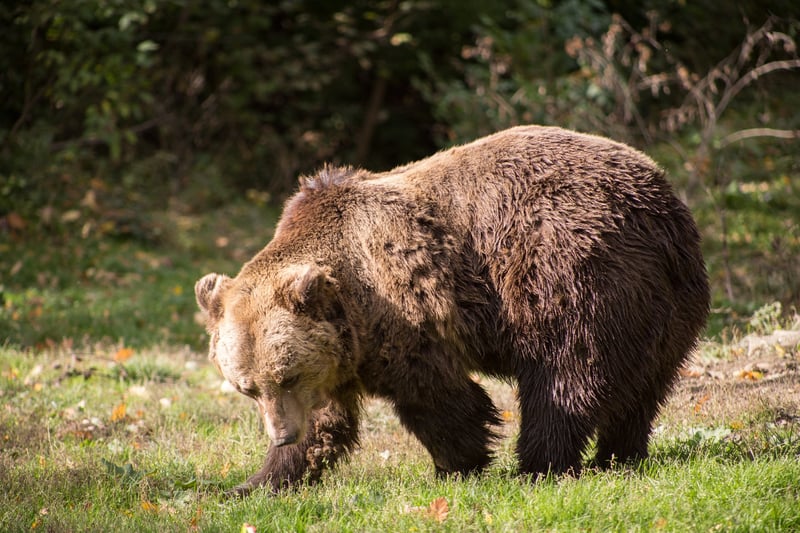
{"x": 560, "y": 260}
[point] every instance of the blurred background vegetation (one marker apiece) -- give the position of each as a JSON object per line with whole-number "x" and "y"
{"x": 144, "y": 142}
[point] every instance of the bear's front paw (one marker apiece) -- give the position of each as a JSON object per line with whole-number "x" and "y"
{"x": 240, "y": 491}
{"x": 254, "y": 482}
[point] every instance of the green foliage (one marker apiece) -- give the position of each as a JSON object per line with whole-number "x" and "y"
{"x": 152, "y": 94}
{"x": 766, "y": 319}
{"x": 118, "y": 119}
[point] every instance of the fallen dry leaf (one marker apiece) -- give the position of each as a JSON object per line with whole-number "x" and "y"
{"x": 123, "y": 354}
{"x": 149, "y": 506}
{"x": 194, "y": 522}
{"x": 118, "y": 413}
{"x": 751, "y": 375}
{"x": 439, "y": 509}
{"x": 699, "y": 405}
{"x": 10, "y": 374}
{"x": 692, "y": 372}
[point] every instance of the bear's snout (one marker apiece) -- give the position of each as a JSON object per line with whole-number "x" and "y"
{"x": 284, "y": 418}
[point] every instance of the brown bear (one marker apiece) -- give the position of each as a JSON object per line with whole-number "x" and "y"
{"x": 559, "y": 260}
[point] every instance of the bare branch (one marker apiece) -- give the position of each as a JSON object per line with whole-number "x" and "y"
{"x": 752, "y": 76}
{"x": 758, "y": 132}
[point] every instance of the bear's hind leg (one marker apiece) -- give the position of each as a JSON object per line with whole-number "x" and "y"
{"x": 553, "y": 432}
{"x": 624, "y": 438}
{"x": 455, "y": 425}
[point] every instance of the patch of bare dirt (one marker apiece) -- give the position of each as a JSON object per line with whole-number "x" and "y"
{"x": 757, "y": 377}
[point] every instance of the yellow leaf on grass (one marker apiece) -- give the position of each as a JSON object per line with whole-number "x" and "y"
{"x": 751, "y": 375}
{"x": 699, "y": 405}
{"x": 123, "y": 354}
{"x": 193, "y": 523}
{"x": 149, "y": 506}
{"x": 118, "y": 413}
{"x": 11, "y": 374}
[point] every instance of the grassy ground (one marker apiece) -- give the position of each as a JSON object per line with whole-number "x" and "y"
{"x": 127, "y": 440}
{"x": 111, "y": 418}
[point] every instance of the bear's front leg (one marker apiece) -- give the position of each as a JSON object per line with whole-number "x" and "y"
{"x": 332, "y": 433}
{"x": 455, "y": 422}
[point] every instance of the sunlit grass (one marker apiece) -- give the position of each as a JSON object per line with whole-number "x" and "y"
{"x": 66, "y": 463}
{"x": 82, "y": 289}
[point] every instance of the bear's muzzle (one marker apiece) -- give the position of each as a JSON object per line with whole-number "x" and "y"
{"x": 284, "y": 418}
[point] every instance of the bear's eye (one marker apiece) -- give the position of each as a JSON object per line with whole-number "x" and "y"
{"x": 249, "y": 389}
{"x": 290, "y": 382}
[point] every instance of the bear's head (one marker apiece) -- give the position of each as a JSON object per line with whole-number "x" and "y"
{"x": 277, "y": 338}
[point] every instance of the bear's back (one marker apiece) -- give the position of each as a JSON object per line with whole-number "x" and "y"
{"x": 537, "y": 183}
{"x": 556, "y": 215}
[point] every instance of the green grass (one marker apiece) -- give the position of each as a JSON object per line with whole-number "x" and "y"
{"x": 64, "y": 285}
{"x": 69, "y": 461}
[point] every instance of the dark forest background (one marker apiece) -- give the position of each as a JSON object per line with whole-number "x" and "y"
{"x": 116, "y": 116}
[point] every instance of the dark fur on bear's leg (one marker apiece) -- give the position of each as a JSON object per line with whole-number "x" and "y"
{"x": 332, "y": 434}
{"x": 552, "y": 434}
{"x": 623, "y": 439}
{"x": 283, "y": 467}
{"x": 456, "y": 428}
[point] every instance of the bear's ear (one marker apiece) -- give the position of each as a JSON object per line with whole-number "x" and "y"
{"x": 207, "y": 290}
{"x": 309, "y": 289}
